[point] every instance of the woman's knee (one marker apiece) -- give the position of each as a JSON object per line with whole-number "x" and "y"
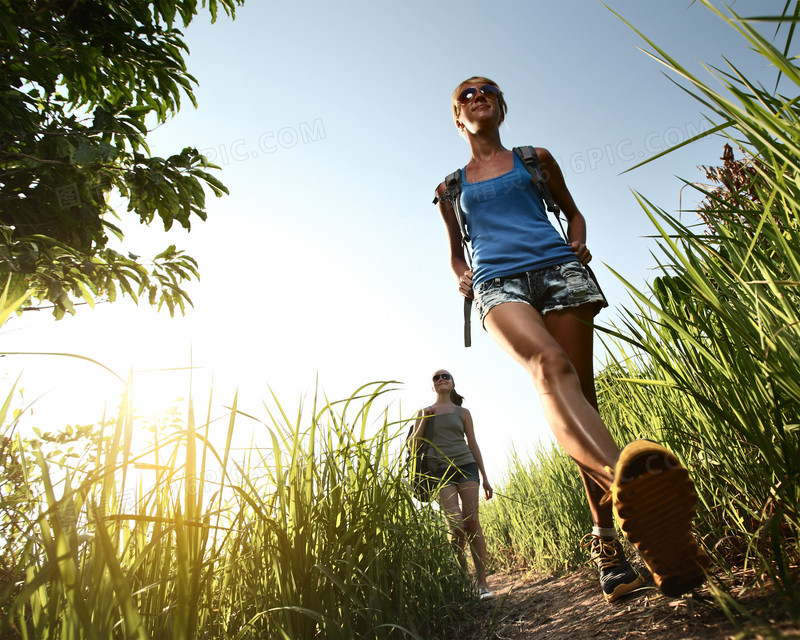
{"x": 550, "y": 366}
{"x": 455, "y": 521}
{"x": 458, "y": 532}
{"x": 470, "y": 523}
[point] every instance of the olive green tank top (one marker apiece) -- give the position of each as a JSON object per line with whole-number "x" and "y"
{"x": 449, "y": 444}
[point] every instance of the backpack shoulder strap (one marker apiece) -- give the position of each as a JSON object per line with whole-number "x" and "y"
{"x": 427, "y": 433}
{"x": 452, "y": 194}
{"x": 452, "y": 187}
{"x": 527, "y": 154}
{"x": 530, "y": 159}
{"x": 452, "y": 184}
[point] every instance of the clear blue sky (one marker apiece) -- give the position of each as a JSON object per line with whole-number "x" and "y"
{"x": 331, "y": 122}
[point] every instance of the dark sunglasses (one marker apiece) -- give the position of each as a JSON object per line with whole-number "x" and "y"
{"x": 443, "y": 376}
{"x": 469, "y": 94}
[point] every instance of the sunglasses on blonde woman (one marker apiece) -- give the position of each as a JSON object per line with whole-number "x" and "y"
{"x": 470, "y": 93}
{"x": 442, "y": 376}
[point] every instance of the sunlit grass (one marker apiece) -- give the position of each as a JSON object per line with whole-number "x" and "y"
{"x": 311, "y": 533}
{"x": 539, "y": 515}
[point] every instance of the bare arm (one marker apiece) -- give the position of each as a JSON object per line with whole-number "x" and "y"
{"x": 469, "y": 432}
{"x": 419, "y": 429}
{"x": 576, "y": 223}
{"x": 458, "y": 262}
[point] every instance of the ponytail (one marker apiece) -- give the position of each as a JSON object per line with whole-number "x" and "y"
{"x": 456, "y": 398}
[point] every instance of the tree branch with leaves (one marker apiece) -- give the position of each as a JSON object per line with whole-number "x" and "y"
{"x": 83, "y": 82}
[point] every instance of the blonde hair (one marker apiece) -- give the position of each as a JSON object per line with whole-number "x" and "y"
{"x": 478, "y": 80}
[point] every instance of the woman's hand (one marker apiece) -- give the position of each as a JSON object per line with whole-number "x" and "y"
{"x": 582, "y": 251}
{"x": 487, "y": 489}
{"x": 465, "y": 284}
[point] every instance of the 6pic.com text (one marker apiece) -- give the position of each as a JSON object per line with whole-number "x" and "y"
{"x": 625, "y": 151}
{"x": 267, "y": 143}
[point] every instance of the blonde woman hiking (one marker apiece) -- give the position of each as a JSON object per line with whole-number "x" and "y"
{"x": 535, "y": 298}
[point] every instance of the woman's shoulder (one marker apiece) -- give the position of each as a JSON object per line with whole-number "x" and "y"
{"x": 544, "y": 155}
{"x": 441, "y": 189}
{"x": 441, "y": 192}
{"x": 464, "y": 414}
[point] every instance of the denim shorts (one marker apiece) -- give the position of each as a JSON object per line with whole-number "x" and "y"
{"x": 454, "y": 475}
{"x": 549, "y": 289}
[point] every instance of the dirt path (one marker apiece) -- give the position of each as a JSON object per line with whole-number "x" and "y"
{"x": 571, "y": 608}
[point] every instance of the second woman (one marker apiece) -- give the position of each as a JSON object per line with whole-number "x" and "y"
{"x": 456, "y": 466}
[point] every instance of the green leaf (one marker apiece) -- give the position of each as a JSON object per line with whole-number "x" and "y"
{"x": 120, "y": 66}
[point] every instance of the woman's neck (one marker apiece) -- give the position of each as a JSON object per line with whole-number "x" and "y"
{"x": 485, "y": 145}
{"x": 443, "y": 398}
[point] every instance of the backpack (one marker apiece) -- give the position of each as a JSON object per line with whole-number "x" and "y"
{"x": 452, "y": 194}
{"x": 417, "y": 462}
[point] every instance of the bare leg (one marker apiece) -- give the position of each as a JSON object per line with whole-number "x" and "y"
{"x": 449, "y": 502}
{"x": 522, "y": 332}
{"x": 557, "y": 353}
{"x": 469, "y": 493}
{"x": 576, "y": 337}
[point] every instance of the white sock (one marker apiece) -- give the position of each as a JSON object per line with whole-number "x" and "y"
{"x": 605, "y": 532}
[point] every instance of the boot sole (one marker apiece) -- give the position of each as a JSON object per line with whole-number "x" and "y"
{"x": 655, "y": 504}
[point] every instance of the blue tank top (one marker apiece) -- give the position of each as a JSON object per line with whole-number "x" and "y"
{"x": 509, "y": 226}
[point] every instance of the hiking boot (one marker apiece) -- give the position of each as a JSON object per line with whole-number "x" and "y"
{"x": 617, "y": 576}
{"x": 654, "y": 498}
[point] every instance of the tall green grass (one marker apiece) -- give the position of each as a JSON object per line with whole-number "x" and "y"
{"x": 717, "y": 336}
{"x": 709, "y": 354}
{"x": 538, "y": 514}
{"x": 314, "y": 534}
